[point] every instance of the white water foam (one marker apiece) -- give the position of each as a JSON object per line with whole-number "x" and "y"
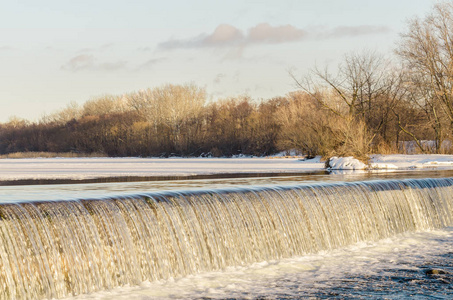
{"x": 319, "y": 275}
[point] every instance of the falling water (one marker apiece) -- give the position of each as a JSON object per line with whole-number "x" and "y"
{"x": 62, "y": 248}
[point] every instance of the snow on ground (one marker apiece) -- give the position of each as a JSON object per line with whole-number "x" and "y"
{"x": 88, "y": 168}
{"x": 402, "y": 161}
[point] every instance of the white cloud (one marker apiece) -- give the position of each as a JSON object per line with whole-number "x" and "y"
{"x": 223, "y": 35}
{"x": 352, "y": 31}
{"x": 79, "y": 62}
{"x": 88, "y": 62}
{"x": 149, "y": 64}
{"x": 226, "y": 35}
{"x": 265, "y": 33}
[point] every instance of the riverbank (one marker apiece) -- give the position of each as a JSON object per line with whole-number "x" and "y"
{"x": 105, "y": 167}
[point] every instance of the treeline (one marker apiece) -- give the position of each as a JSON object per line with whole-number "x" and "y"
{"x": 170, "y": 120}
{"x": 177, "y": 120}
{"x": 165, "y": 121}
{"x": 369, "y": 104}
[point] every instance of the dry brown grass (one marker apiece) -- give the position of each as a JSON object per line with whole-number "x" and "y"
{"x": 347, "y": 137}
{"x": 382, "y": 147}
{"x": 315, "y": 130}
{"x": 17, "y": 155}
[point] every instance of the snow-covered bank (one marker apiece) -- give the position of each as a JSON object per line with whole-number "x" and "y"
{"x": 402, "y": 161}
{"x": 392, "y": 162}
{"x": 89, "y": 168}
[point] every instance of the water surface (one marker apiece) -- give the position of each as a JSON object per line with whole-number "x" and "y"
{"x": 76, "y": 190}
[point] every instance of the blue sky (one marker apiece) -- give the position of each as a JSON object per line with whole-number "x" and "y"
{"x": 53, "y": 52}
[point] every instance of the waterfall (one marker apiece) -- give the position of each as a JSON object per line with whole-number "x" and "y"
{"x": 56, "y": 249}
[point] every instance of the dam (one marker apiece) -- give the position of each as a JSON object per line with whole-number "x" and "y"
{"x": 57, "y": 249}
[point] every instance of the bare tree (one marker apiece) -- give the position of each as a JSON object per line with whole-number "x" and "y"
{"x": 172, "y": 106}
{"x": 103, "y": 105}
{"x": 353, "y": 90}
{"x": 72, "y": 111}
{"x": 363, "y": 92}
{"x": 426, "y": 49}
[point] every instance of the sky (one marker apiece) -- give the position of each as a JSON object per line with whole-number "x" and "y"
{"x": 54, "y": 52}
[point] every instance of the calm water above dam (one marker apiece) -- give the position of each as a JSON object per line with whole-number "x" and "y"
{"x": 34, "y": 191}
{"x": 323, "y": 236}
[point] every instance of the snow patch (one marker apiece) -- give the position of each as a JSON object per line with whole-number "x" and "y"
{"x": 432, "y": 164}
{"x": 292, "y": 152}
{"x": 346, "y": 163}
{"x": 438, "y": 163}
{"x": 316, "y": 159}
{"x": 382, "y": 166}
